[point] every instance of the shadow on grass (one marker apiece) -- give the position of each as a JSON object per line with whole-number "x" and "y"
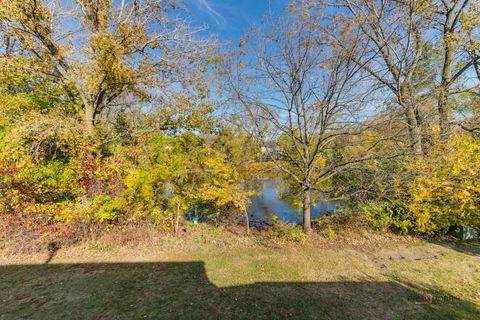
{"x": 470, "y": 247}
{"x": 183, "y": 291}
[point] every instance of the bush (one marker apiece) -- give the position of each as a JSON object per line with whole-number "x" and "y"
{"x": 445, "y": 192}
{"x": 288, "y": 232}
{"x": 330, "y": 232}
{"x": 437, "y": 191}
{"x": 385, "y": 215}
{"x": 110, "y": 210}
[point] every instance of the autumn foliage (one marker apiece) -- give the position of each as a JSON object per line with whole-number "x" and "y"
{"x": 118, "y": 114}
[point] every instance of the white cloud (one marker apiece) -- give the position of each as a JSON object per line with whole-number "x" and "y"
{"x": 207, "y": 7}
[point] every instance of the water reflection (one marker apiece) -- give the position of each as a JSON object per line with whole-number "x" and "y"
{"x": 268, "y": 203}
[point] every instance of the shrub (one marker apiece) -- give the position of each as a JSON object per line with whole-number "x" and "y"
{"x": 287, "y": 232}
{"x": 319, "y": 222}
{"x": 446, "y": 190}
{"x": 385, "y": 215}
{"x": 330, "y": 232}
{"x": 296, "y": 234}
{"x": 110, "y": 210}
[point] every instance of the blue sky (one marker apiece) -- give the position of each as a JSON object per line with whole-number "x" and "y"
{"x": 229, "y": 19}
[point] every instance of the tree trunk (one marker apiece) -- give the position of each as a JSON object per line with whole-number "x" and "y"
{"x": 89, "y": 121}
{"x": 414, "y": 130}
{"x": 447, "y": 69}
{"x": 407, "y": 101}
{"x": 177, "y": 219}
{"x": 443, "y": 112}
{"x": 307, "y": 202}
{"x": 476, "y": 65}
{"x": 247, "y": 220}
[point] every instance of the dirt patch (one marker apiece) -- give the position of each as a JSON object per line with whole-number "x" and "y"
{"x": 471, "y": 268}
{"x": 380, "y": 259}
{"x": 408, "y": 253}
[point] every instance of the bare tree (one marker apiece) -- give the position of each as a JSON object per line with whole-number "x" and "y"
{"x": 471, "y": 32}
{"x": 390, "y": 45}
{"x": 448, "y": 17}
{"x": 299, "y": 92}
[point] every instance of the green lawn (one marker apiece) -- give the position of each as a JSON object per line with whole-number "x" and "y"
{"x": 238, "y": 282}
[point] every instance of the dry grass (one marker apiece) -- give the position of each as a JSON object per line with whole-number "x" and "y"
{"x": 217, "y": 273}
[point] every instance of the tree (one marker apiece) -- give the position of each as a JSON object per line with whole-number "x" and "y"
{"x": 400, "y": 35}
{"x": 456, "y": 22}
{"x": 390, "y": 44}
{"x": 298, "y": 92}
{"x": 101, "y": 51}
{"x": 470, "y": 27}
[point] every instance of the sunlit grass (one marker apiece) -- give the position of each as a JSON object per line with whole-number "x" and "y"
{"x": 213, "y": 282}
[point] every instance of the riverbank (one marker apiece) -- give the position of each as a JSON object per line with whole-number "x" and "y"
{"x": 215, "y": 273}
